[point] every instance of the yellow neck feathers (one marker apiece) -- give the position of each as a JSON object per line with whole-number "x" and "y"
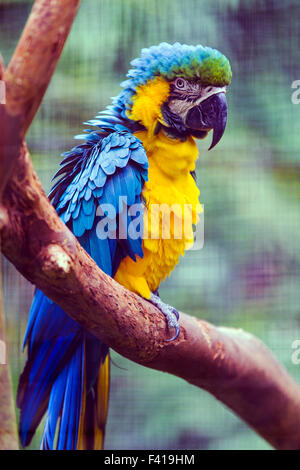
{"x": 170, "y": 187}
{"x": 147, "y": 103}
{"x": 171, "y": 156}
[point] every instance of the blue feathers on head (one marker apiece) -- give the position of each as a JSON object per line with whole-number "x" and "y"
{"x": 166, "y": 60}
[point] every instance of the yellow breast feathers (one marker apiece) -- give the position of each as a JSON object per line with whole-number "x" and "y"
{"x": 171, "y": 201}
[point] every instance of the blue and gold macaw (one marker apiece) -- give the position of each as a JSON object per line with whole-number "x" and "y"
{"x": 141, "y": 153}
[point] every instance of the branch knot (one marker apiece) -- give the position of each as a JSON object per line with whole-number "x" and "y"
{"x": 56, "y": 263}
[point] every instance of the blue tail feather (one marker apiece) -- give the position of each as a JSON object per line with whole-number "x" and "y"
{"x": 53, "y": 376}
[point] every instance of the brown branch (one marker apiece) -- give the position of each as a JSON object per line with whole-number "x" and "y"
{"x": 35, "y": 58}
{"x": 29, "y": 73}
{"x": 26, "y": 79}
{"x": 8, "y": 429}
{"x": 232, "y": 365}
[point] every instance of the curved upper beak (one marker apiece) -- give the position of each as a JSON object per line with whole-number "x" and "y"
{"x": 211, "y": 113}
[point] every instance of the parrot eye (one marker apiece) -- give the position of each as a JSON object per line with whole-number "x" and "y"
{"x": 180, "y": 83}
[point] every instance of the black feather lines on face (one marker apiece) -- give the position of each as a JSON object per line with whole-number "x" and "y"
{"x": 175, "y": 126}
{"x": 188, "y": 95}
{"x": 174, "y": 123}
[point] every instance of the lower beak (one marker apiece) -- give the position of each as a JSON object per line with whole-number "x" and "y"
{"x": 209, "y": 114}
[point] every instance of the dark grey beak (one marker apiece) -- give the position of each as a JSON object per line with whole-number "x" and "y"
{"x": 210, "y": 114}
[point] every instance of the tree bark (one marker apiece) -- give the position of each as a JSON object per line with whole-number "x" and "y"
{"x": 8, "y": 428}
{"x": 26, "y": 80}
{"x": 30, "y": 70}
{"x": 232, "y": 365}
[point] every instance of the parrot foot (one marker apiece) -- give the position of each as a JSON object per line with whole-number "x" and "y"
{"x": 170, "y": 313}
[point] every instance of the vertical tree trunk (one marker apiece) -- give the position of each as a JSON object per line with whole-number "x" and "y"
{"x": 26, "y": 78}
{"x": 8, "y": 427}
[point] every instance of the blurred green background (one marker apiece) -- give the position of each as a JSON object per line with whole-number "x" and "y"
{"x": 248, "y": 273}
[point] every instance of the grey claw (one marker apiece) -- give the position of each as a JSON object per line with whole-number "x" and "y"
{"x": 170, "y": 313}
{"x": 177, "y": 329}
{"x": 176, "y": 313}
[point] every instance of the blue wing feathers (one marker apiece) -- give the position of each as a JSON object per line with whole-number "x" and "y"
{"x": 105, "y": 168}
{"x": 110, "y": 167}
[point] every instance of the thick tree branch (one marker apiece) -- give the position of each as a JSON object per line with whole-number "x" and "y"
{"x": 26, "y": 80}
{"x": 8, "y": 428}
{"x": 33, "y": 63}
{"x": 29, "y": 73}
{"x": 232, "y": 365}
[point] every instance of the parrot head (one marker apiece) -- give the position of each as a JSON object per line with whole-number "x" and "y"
{"x": 180, "y": 89}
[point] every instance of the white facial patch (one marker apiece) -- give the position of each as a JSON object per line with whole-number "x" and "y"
{"x": 181, "y": 106}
